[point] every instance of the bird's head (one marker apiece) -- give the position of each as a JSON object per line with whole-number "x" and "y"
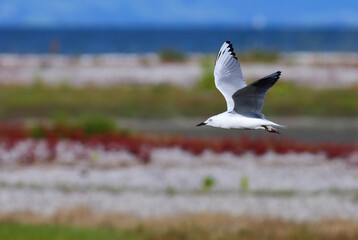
{"x": 208, "y": 122}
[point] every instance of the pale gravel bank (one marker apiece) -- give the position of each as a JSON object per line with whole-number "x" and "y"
{"x": 295, "y": 187}
{"x": 314, "y": 69}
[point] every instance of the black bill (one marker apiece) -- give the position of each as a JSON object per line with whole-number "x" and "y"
{"x": 200, "y": 124}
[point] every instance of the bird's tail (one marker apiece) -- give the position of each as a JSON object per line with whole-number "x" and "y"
{"x": 280, "y": 126}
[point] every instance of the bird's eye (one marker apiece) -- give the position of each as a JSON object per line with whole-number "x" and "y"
{"x": 210, "y": 120}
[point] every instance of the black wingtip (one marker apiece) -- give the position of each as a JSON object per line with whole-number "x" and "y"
{"x": 231, "y": 49}
{"x": 278, "y": 74}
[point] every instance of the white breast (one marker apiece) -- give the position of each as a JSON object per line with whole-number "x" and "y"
{"x": 236, "y": 121}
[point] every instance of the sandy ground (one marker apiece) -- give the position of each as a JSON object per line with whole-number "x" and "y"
{"x": 314, "y": 69}
{"x": 296, "y": 187}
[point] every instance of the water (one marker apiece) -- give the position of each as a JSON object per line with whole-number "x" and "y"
{"x": 95, "y": 41}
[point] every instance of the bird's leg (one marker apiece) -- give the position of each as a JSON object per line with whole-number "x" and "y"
{"x": 271, "y": 129}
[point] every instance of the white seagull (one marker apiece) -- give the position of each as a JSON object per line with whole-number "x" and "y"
{"x": 244, "y": 102}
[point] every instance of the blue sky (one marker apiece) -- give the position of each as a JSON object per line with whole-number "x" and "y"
{"x": 148, "y": 13}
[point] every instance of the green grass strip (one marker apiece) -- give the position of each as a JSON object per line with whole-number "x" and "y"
{"x": 164, "y": 101}
{"x": 16, "y": 231}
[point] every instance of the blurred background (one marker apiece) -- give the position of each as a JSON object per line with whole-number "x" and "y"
{"x": 99, "y": 102}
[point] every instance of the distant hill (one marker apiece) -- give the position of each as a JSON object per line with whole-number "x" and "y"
{"x": 132, "y": 13}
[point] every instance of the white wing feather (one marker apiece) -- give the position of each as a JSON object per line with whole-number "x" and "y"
{"x": 227, "y": 73}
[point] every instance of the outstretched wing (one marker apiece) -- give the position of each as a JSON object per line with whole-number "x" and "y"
{"x": 250, "y": 99}
{"x": 228, "y": 75}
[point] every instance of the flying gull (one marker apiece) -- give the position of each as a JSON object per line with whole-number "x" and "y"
{"x": 244, "y": 102}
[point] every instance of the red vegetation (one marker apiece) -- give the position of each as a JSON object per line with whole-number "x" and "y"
{"x": 141, "y": 145}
